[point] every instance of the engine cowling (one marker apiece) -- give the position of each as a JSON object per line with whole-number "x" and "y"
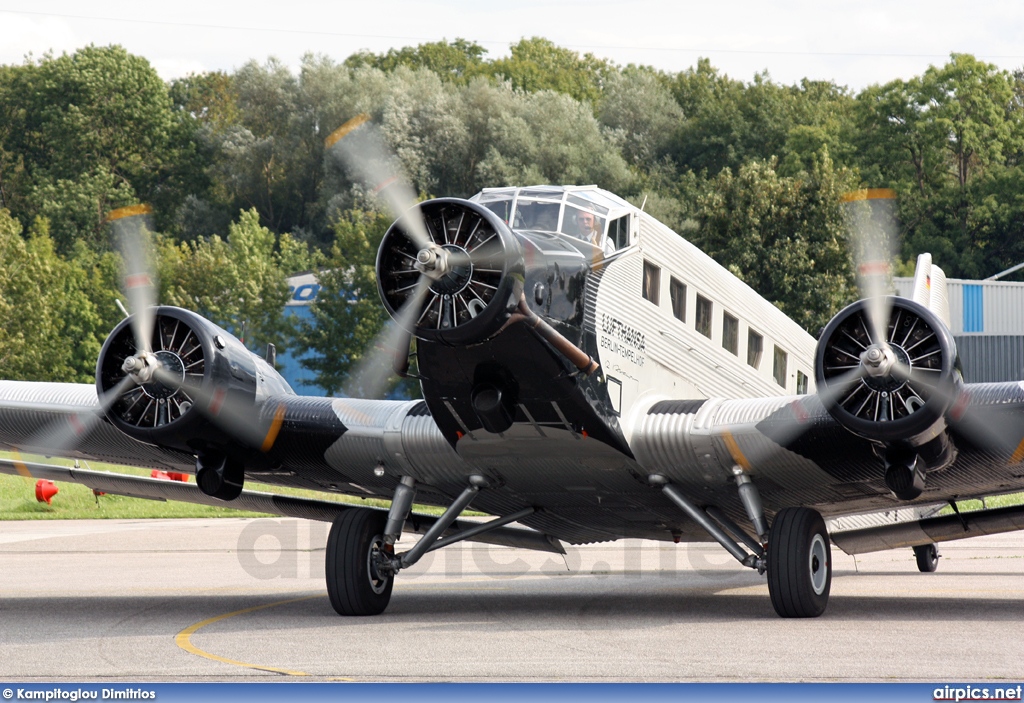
{"x": 209, "y": 362}
{"x": 894, "y": 407}
{"x": 483, "y": 271}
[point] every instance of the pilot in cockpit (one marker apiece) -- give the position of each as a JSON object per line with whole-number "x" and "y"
{"x": 589, "y": 229}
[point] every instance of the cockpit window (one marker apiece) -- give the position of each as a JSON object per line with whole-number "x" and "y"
{"x": 537, "y": 216}
{"x": 501, "y": 207}
{"x": 586, "y": 203}
{"x": 618, "y": 232}
{"x": 582, "y": 224}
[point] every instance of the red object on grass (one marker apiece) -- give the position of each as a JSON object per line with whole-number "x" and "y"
{"x": 45, "y": 491}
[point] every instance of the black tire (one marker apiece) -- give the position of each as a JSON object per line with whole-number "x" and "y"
{"x": 799, "y": 563}
{"x": 927, "y": 558}
{"x": 353, "y": 583}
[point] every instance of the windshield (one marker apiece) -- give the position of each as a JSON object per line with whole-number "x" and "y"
{"x": 537, "y": 215}
{"x": 582, "y": 213}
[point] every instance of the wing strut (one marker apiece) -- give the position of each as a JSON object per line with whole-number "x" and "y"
{"x": 695, "y": 513}
{"x": 390, "y": 563}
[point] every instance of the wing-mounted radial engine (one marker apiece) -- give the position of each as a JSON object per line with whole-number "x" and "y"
{"x": 894, "y": 391}
{"x": 192, "y": 374}
{"x": 462, "y": 284}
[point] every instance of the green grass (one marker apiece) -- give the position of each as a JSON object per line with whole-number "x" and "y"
{"x": 1002, "y": 501}
{"x": 76, "y": 502}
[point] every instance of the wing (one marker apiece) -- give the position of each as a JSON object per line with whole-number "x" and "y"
{"x": 327, "y": 444}
{"x": 797, "y": 454}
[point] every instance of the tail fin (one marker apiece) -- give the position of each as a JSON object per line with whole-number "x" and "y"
{"x": 930, "y": 287}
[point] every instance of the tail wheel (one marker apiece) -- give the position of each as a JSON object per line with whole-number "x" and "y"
{"x": 354, "y": 583}
{"x": 799, "y": 563}
{"x": 927, "y": 558}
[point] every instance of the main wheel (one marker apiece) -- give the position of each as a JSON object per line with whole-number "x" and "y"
{"x": 799, "y": 563}
{"x": 354, "y": 584}
{"x": 927, "y": 558}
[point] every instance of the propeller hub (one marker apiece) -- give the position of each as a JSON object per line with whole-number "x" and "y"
{"x": 879, "y": 362}
{"x": 173, "y": 367}
{"x": 141, "y": 367}
{"x": 432, "y": 261}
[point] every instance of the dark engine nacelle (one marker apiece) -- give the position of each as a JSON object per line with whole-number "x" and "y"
{"x": 203, "y": 357}
{"x": 900, "y": 404}
{"x": 890, "y": 408}
{"x": 477, "y": 288}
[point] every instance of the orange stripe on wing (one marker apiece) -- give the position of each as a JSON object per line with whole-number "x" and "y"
{"x": 1018, "y": 456}
{"x": 734, "y": 451}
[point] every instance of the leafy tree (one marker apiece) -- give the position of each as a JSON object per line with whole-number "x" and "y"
{"x": 456, "y": 61}
{"x": 784, "y": 236}
{"x": 94, "y": 127}
{"x": 347, "y": 315}
{"x": 239, "y": 283}
{"x": 728, "y": 123}
{"x": 538, "y": 64}
{"x": 637, "y": 102}
{"x": 948, "y": 141}
{"x": 210, "y": 99}
{"x": 52, "y": 331}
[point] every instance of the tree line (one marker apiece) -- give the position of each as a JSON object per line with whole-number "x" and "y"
{"x": 243, "y": 193}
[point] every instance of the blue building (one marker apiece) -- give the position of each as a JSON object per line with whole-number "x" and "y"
{"x": 303, "y": 288}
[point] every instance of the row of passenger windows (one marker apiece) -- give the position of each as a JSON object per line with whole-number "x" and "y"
{"x": 730, "y": 325}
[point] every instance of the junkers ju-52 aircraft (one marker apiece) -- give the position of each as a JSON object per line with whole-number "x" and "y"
{"x": 586, "y": 373}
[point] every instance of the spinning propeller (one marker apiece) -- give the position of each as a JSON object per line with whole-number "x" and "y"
{"x": 161, "y": 371}
{"x": 440, "y": 271}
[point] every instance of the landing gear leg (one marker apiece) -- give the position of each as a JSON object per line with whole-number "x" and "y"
{"x": 927, "y": 558}
{"x": 356, "y": 583}
{"x": 799, "y": 563}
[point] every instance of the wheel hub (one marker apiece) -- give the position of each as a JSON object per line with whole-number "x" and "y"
{"x": 818, "y": 563}
{"x": 378, "y": 566}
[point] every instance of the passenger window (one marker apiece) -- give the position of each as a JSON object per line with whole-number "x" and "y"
{"x": 779, "y": 370}
{"x": 730, "y": 333}
{"x": 801, "y": 383}
{"x": 755, "y": 345}
{"x": 703, "y": 320}
{"x": 652, "y": 282}
{"x": 677, "y": 293}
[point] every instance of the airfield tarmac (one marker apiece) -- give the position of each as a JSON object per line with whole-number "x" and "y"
{"x": 240, "y": 599}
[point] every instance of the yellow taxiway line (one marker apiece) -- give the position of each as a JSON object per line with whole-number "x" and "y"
{"x": 184, "y": 638}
